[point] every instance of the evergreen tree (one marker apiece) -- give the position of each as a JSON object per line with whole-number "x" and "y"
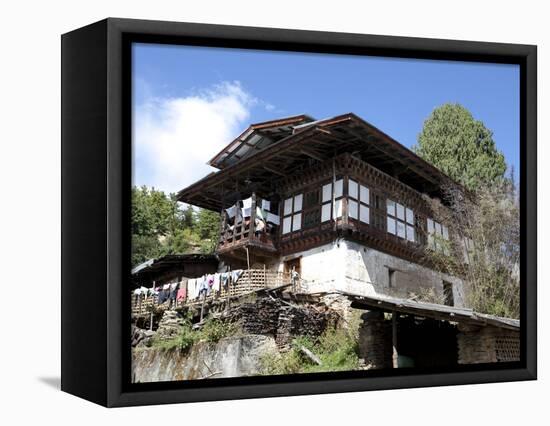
{"x": 461, "y": 147}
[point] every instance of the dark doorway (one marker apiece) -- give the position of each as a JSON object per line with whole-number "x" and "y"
{"x": 448, "y": 294}
{"x": 426, "y": 343}
{"x": 293, "y": 263}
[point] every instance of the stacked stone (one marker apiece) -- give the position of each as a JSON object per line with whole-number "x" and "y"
{"x": 260, "y": 317}
{"x": 170, "y": 325}
{"x": 340, "y": 305}
{"x": 272, "y": 317}
{"x": 298, "y": 322}
{"x": 479, "y": 344}
{"x": 141, "y": 337}
{"x": 375, "y": 346}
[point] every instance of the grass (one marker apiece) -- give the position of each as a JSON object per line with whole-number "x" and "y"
{"x": 336, "y": 348}
{"x": 212, "y": 331}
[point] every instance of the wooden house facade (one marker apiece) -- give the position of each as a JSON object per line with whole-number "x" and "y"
{"x": 337, "y": 200}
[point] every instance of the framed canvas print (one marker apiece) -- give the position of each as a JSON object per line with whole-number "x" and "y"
{"x": 254, "y": 212}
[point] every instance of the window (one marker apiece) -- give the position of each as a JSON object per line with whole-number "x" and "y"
{"x": 312, "y": 208}
{"x": 400, "y": 220}
{"x": 448, "y": 298}
{"x": 391, "y": 278}
{"x": 292, "y": 214}
{"x": 437, "y": 235}
{"x": 378, "y": 212}
{"x": 311, "y": 199}
{"x": 358, "y": 202}
{"x": 326, "y": 200}
{"x": 311, "y": 218}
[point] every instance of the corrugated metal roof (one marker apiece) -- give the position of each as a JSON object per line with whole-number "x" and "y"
{"x": 430, "y": 310}
{"x": 172, "y": 259}
{"x": 255, "y": 137}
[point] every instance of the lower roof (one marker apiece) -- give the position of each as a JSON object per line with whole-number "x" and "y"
{"x": 167, "y": 262}
{"x": 430, "y": 310}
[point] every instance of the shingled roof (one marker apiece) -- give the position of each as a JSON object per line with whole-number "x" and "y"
{"x": 269, "y": 151}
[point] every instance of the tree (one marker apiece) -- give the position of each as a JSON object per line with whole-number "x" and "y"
{"x": 160, "y": 226}
{"x": 145, "y": 247}
{"x": 153, "y": 213}
{"x": 461, "y": 147}
{"x": 485, "y": 246}
{"x": 188, "y": 217}
{"x": 208, "y": 228}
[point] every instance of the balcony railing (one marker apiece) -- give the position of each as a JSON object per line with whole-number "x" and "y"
{"x": 245, "y": 226}
{"x": 250, "y": 281}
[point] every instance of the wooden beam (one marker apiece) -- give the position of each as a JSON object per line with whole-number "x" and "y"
{"x": 277, "y": 172}
{"x": 311, "y": 154}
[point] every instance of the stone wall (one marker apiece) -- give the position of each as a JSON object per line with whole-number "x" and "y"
{"x": 352, "y": 267}
{"x": 230, "y": 357}
{"x": 340, "y": 305}
{"x": 478, "y": 345}
{"x": 375, "y": 338}
{"x": 281, "y": 320}
{"x": 169, "y": 325}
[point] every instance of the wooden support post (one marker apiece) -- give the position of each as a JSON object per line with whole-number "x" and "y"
{"x": 152, "y": 306}
{"x": 345, "y": 200}
{"x": 248, "y": 266}
{"x": 252, "y": 225}
{"x": 394, "y": 338}
{"x": 333, "y": 192}
{"x": 229, "y": 279}
{"x": 223, "y": 227}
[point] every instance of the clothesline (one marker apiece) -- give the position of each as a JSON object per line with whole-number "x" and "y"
{"x": 190, "y": 289}
{"x": 243, "y": 208}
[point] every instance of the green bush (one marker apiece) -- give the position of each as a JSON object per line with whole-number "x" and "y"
{"x": 214, "y": 329}
{"x": 183, "y": 341}
{"x": 336, "y": 349}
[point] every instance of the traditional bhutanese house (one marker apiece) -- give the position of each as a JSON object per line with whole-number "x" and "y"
{"x": 337, "y": 200}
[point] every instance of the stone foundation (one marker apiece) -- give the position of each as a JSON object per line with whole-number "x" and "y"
{"x": 339, "y": 304}
{"x": 375, "y": 339}
{"x": 283, "y": 321}
{"x": 169, "y": 325}
{"x": 478, "y": 345}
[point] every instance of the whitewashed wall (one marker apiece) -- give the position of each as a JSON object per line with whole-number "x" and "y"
{"x": 349, "y": 266}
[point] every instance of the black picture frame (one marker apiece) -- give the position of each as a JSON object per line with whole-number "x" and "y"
{"x": 96, "y": 181}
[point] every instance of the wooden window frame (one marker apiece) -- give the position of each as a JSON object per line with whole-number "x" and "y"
{"x": 333, "y": 198}
{"x": 430, "y": 240}
{"x": 313, "y": 208}
{"x": 406, "y": 224}
{"x": 292, "y": 213}
{"x": 359, "y": 200}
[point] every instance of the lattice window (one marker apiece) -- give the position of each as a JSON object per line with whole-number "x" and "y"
{"x": 326, "y": 200}
{"x": 312, "y": 208}
{"x": 359, "y": 200}
{"x": 507, "y": 349}
{"x": 400, "y": 220}
{"x": 292, "y": 214}
{"x": 437, "y": 235}
{"x": 378, "y": 211}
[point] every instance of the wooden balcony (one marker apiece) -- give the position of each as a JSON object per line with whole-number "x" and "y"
{"x": 245, "y": 238}
{"x": 250, "y": 281}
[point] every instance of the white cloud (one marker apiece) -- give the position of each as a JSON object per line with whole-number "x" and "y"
{"x": 173, "y": 138}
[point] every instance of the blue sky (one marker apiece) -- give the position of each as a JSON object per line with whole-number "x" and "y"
{"x": 191, "y": 101}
